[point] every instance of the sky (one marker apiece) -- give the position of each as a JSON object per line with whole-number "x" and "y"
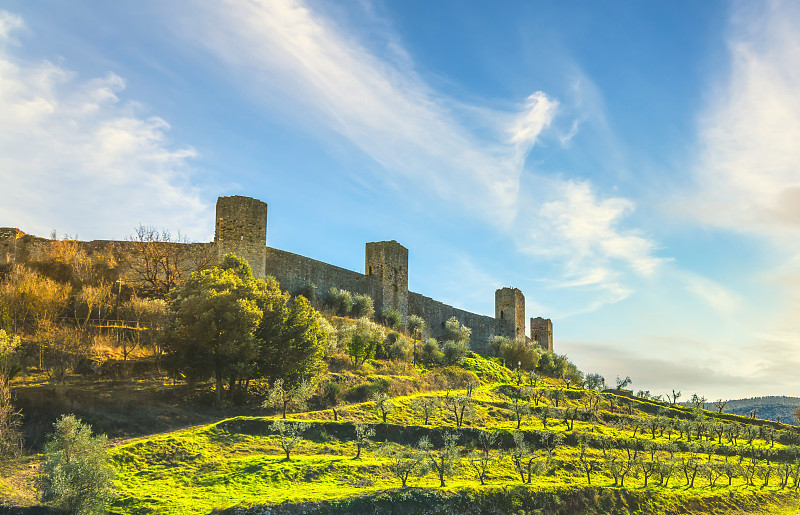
{"x": 632, "y": 167}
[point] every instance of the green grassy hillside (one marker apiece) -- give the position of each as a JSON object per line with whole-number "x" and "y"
{"x": 695, "y": 462}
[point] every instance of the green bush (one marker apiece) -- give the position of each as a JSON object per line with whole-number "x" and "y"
{"x": 339, "y": 301}
{"x": 516, "y": 353}
{"x": 392, "y": 318}
{"x": 362, "y": 307}
{"x": 430, "y": 354}
{"x": 76, "y": 474}
{"x": 454, "y": 352}
{"x": 309, "y": 291}
{"x": 400, "y": 350}
{"x": 366, "y": 391}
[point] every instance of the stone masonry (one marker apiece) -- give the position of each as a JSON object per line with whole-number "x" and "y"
{"x": 241, "y": 227}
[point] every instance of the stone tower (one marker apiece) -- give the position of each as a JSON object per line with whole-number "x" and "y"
{"x": 542, "y": 332}
{"x": 241, "y": 228}
{"x": 509, "y": 306}
{"x": 387, "y": 262}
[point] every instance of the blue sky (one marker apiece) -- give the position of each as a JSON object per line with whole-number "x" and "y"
{"x": 633, "y": 168}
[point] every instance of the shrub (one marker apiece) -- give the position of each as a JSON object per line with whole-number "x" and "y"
{"x": 76, "y": 474}
{"x": 339, "y": 301}
{"x": 454, "y": 352}
{"x": 366, "y": 391}
{"x": 416, "y": 324}
{"x": 362, "y": 307}
{"x": 430, "y": 354}
{"x": 10, "y": 425}
{"x": 456, "y": 331}
{"x": 558, "y": 366}
{"x": 309, "y": 291}
{"x": 392, "y": 318}
{"x": 594, "y": 381}
{"x": 516, "y": 353}
{"x": 400, "y": 350}
{"x": 364, "y": 341}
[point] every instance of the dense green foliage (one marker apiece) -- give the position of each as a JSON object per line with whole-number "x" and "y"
{"x": 76, "y": 475}
{"x": 226, "y": 325}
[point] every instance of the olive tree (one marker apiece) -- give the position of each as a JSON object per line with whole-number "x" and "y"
{"x": 445, "y": 461}
{"x": 289, "y": 434}
{"x": 76, "y": 474}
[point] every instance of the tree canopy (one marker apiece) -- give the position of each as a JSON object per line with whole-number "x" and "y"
{"x": 227, "y": 325}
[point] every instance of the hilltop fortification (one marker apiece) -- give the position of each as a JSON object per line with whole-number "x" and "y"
{"x": 241, "y": 227}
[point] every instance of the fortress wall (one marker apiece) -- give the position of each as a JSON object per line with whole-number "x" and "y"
{"x": 294, "y": 271}
{"x": 436, "y": 313}
{"x": 18, "y": 247}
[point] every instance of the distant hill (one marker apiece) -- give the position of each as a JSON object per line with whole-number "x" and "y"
{"x": 778, "y": 408}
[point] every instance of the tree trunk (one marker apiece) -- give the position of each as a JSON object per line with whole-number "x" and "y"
{"x": 220, "y": 387}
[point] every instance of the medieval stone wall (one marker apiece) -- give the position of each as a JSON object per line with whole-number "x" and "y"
{"x": 241, "y": 227}
{"x": 386, "y": 262}
{"x": 436, "y": 313}
{"x": 294, "y": 272}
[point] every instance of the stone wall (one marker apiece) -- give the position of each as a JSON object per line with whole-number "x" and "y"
{"x": 294, "y": 272}
{"x": 241, "y": 227}
{"x": 509, "y": 306}
{"x": 436, "y": 313}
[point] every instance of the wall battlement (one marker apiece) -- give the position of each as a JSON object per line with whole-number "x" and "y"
{"x": 241, "y": 227}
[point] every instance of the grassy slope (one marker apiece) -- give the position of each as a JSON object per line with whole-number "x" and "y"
{"x": 237, "y": 462}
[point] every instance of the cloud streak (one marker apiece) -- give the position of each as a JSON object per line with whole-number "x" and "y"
{"x": 72, "y": 150}
{"x": 384, "y": 108}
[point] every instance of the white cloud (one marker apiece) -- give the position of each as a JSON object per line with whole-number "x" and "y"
{"x": 71, "y": 150}
{"x": 380, "y": 106}
{"x": 9, "y": 22}
{"x": 749, "y": 170}
{"x": 529, "y": 124}
{"x": 585, "y": 230}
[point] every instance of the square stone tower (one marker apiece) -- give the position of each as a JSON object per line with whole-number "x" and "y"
{"x": 241, "y": 228}
{"x": 542, "y": 332}
{"x": 509, "y": 306}
{"x": 387, "y": 263}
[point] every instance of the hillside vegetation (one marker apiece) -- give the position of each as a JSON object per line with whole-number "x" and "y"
{"x": 572, "y": 449}
{"x": 297, "y": 404}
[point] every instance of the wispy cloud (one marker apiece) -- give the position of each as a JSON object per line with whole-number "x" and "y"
{"x": 719, "y": 298}
{"x": 9, "y": 22}
{"x": 386, "y": 109}
{"x": 749, "y": 171}
{"x": 586, "y": 233}
{"x": 72, "y": 150}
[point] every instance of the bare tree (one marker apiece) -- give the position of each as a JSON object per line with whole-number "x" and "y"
{"x": 479, "y": 459}
{"x": 10, "y": 425}
{"x": 460, "y": 406}
{"x": 403, "y": 461}
{"x": 283, "y": 398}
{"x": 160, "y": 261}
{"x": 383, "y": 404}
